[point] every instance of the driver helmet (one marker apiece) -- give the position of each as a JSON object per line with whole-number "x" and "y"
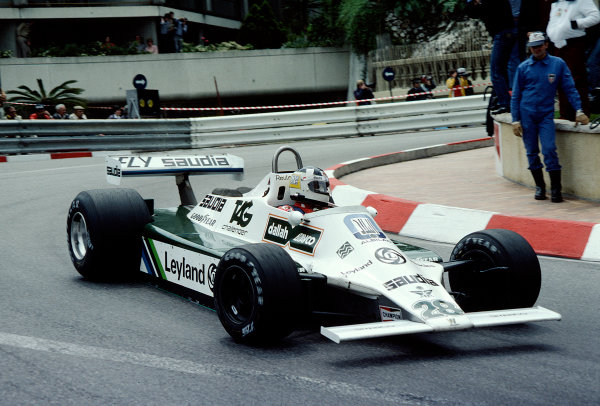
{"x": 311, "y": 184}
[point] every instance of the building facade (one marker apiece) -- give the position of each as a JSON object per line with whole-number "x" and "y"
{"x": 60, "y": 22}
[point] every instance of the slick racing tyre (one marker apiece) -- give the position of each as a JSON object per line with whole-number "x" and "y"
{"x": 505, "y": 272}
{"x": 257, "y": 293}
{"x": 104, "y": 230}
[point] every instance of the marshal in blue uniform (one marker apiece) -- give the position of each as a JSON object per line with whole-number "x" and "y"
{"x": 532, "y": 107}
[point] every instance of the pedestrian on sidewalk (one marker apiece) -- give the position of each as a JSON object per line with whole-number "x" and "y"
{"x": 532, "y": 109}
{"x": 363, "y": 92}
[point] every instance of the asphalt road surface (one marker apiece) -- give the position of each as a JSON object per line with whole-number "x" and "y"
{"x": 68, "y": 341}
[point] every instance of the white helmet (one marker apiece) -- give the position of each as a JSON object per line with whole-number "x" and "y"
{"x": 310, "y": 183}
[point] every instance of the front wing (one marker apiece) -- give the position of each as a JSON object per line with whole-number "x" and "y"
{"x": 400, "y": 327}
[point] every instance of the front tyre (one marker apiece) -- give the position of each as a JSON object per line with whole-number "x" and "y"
{"x": 104, "y": 230}
{"x": 504, "y": 274}
{"x": 257, "y": 293}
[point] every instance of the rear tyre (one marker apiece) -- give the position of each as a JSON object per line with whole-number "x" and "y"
{"x": 505, "y": 273}
{"x": 257, "y": 293}
{"x": 104, "y": 230}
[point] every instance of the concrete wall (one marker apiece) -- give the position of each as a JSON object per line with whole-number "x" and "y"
{"x": 578, "y": 151}
{"x": 189, "y": 76}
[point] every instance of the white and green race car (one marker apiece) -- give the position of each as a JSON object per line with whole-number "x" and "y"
{"x": 268, "y": 271}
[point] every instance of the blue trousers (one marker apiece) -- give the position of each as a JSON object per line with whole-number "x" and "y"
{"x": 593, "y": 65}
{"x": 504, "y": 43}
{"x": 539, "y": 128}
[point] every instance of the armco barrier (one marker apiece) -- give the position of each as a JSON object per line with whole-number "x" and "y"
{"x": 339, "y": 121}
{"x": 35, "y": 136}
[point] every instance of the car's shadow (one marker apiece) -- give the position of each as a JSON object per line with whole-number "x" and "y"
{"x": 479, "y": 343}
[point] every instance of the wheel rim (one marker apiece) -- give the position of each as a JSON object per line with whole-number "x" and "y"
{"x": 237, "y": 295}
{"x": 79, "y": 236}
{"x": 481, "y": 258}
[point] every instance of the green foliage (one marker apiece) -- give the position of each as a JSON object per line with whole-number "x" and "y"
{"x": 261, "y": 28}
{"x": 361, "y": 21}
{"x": 312, "y": 23}
{"x": 91, "y": 49}
{"x": 62, "y": 93}
{"x": 6, "y": 54}
{"x": 419, "y": 9}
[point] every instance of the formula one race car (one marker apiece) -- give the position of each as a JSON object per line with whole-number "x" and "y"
{"x": 268, "y": 270}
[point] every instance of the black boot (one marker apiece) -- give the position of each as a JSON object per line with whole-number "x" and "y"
{"x": 555, "y": 187}
{"x": 540, "y": 185}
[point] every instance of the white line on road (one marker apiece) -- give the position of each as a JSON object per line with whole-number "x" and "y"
{"x": 50, "y": 169}
{"x": 172, "y": 364}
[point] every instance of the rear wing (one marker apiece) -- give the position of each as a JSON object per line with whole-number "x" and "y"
{"x": 181, "y": 167}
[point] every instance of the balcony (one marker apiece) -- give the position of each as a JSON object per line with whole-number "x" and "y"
{"x": 231, "y": 9}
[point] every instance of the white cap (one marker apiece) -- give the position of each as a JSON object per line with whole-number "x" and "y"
{"x": 536, "y": 38}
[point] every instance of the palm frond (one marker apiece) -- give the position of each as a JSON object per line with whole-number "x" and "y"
{"x": 66, "y": 92}
{"x": 62, "y": 93}
{"x": 41, "y": 86}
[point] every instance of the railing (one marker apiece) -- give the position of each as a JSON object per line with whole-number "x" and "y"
{"x": 37, "y": 136}
{"x": 467, "y": 45}
{"x": 477, "y": 64}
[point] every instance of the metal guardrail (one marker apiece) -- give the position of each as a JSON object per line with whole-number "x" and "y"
{"x": 35, "y": 136}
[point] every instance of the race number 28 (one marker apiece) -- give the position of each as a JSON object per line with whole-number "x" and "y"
{"x": 436, "y": 308}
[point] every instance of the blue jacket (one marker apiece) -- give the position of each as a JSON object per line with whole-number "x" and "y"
{"x": 535, "y": 85}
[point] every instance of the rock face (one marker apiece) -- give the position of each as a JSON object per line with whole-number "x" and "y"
{"x": 430, "y": 39}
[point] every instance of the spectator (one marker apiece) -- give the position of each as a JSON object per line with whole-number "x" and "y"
{"x": 428, "y": 84}
{"x": 151, "y": 48}
{"x": 11, "y": 113}
{"x": 164, "y": 29}
{"x": 532, "y": 108}
{"x": 78, "y": 113}
{"x": 507, "y": 21}
{"x": 593, "y": 66}
{"x": 40, "y": 113}
{"x": 138, "y": 44}
{"x": 363, "y": 92}
{"x": 457, "y": 83}
{"x": 464, "y": 77}
{"x": 2, "y": 100}
{"x": 417, "y": 91}
{"x": 23, "y": 41}
{"x": 566, "y": 29}
{"x": 60, "y": 112}
{"x": 180, "y": 28}
{"x": 107, "y": 44}
{"x": 117, "y": 113}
